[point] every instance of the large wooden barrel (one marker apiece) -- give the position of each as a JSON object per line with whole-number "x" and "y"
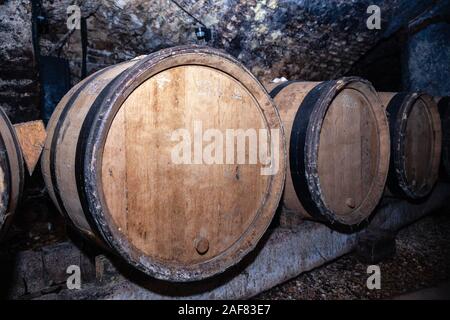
{"x": 109, "y": 161}
{"x": 444, "y": 112}
{"x": 338, "y": 139}
{"x": 11, "y": 173}
{"x": 415, "y": 130}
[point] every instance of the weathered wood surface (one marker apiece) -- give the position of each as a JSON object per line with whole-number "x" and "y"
{"x": 338, "y": 141}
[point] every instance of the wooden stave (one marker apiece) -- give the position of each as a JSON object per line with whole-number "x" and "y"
{"x": 98, "y": 226}
{"x": 398, "y": 107}
{"x": 308, "y": 208}
{"x": 68, "y": 108}
{"x": 14, "y": 171}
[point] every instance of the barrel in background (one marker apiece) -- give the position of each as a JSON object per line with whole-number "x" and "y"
{"x": 108, "y": 162}
{"x": 415, "y": 130}
{"x": 11, "y": 173}
{"x": 338, "y": 141}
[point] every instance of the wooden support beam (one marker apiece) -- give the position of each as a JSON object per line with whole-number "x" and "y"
{"x": 31, "y": 136}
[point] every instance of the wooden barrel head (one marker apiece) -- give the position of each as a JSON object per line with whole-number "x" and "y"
{"x": 156, "y": 172}
{"x": 416, "y": 144}
{"x": 349, "y": 151}
{"x": 5, "y": 186}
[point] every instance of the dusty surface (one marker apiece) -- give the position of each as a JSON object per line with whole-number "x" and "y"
{"x": 422, "y": 261}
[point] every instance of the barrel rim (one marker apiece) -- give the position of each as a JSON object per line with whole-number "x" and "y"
{"x": 304, "y": 147}
{"x": 16, "y": 166}
{"x": 95, "y": 137}
{"x": 399, "y": 109}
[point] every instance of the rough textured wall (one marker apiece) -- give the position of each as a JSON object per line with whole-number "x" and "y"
{"x": 19, "y": 90}
{"x": 415, "y": 58}
{"x": 427, "y": 60}
{"x": 301, "y": 39}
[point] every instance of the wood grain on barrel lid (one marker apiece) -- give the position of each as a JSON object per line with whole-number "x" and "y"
{"x": 164, "y": 208}
{"x": 11, "y": 163}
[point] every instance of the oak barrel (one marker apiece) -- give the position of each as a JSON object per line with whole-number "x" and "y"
{"x": 338, "y": 140}
{"x": 444, "y": 112}
{"x": 11, "y": 173}
{"x": 109, "y": 161}
{"x": 415, "y": 130}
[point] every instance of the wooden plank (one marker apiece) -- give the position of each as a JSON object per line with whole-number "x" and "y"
{"x": 170, "y": 207}
{"x": 31, "y": 136}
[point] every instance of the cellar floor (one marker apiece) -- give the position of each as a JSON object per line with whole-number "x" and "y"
{"x": 38, "y": 253}
{"x": 422, "y": 260}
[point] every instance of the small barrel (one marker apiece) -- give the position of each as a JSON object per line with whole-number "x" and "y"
{"x": 415, "y": 130}
{"x": 444, "y": 112}
{"x": 338, "y": 139}
{"x": 145, "y": 157}
{"x": 11, "y": 173}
